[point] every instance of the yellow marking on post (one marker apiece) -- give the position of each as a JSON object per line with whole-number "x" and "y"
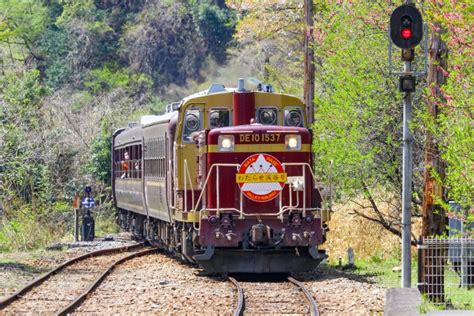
{"x": 260, "y": 177}
{"x": 75, "y": 201}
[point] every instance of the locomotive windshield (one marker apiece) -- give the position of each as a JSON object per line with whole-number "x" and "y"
{"x": 267, "y": 116}
{"x": 219, "y": 118}
{"x": 192, "y": 123}
{"x": 293, "y": 117}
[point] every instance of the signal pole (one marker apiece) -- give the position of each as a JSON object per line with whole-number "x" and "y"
{"x": 406, "y": 32}
{"x": 406, "y": 185}
{"x": 308, "y": 61}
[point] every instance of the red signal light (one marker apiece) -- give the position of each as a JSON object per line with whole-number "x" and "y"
{"x": 406, "y": 33}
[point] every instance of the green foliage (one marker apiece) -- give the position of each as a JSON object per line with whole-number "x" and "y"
{"x": 215, "y": 25}
{"x": 357, "y": 110}
{"x": 72, "y": 72}
{"x": 453, "y": 128}
{"x": 23, "y": 90}
{"x": 156, "y": 106}
{"x": 105, "y": 79}
{"x": 22, "y": 175}
{"x": 27, "y": 229}
{"x": 381, "y": 269}
{"x": 54, "y": 45}
{"x": 100, "y": 152}
{"x": 22, "y": 20}
{"x": 171, "y": 41}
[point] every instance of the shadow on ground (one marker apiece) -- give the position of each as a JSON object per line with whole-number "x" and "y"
{"x": 21, "y": 267}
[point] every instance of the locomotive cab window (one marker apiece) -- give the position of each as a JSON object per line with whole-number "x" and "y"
{"x": 293, "y": 116}
{"x": 267, "y": 116}
{"x": 219, "y": 118}
{"x": 192, "y": 123}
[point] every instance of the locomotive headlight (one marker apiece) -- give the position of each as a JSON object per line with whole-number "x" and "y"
{"x": 293, "y": 142}
{"x": 226, "y": 142}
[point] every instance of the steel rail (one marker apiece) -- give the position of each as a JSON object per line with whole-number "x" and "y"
{"x": 240, "y": 299}
{"x": 78, "y": 301}
{"x": 314, "y": 311}
{"x": 7, "y": 301}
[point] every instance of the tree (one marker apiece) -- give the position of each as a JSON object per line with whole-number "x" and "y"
{"x": 451, "y": 127}
{"x": 358, "y": 117}
{"x": 170, "y": 41}
{"x": 21, "y": 23}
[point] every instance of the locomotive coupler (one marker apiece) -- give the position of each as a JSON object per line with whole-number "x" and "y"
{"x": 260, "y": 234}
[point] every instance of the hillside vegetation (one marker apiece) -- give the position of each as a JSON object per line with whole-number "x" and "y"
{"x": 73, "y": 71}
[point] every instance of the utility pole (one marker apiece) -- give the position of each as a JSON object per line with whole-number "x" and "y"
{"x": 434, "y": 220}
{"x": 308, "y": 61}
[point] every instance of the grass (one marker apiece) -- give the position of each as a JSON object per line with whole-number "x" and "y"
{"x": 456, "y": 297}
{"x": 385, "y": 271}
{"x": 377, "y": 251}
{"x": 369, "y": 240}
{"x": 27, "y": 231}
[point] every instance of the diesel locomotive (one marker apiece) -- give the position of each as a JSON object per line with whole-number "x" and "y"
{"x": 224, "y": 179}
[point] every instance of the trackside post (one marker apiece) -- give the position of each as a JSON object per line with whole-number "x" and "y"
{"x": 406, "y": 32}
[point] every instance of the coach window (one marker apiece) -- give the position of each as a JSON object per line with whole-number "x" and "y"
{"x": 192, "y": 123}
{"x": 267, "y": 115}
{"x": 137, "y": 164}
{"x": 134, "y": 157}
{"x": 118, "y": 162}
{"x": 293, "y": 116}
{"x": 124, "y": 163}
{"x": 219, "y": 118}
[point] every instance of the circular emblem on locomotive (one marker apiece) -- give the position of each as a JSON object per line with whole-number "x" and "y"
{"x": 261, "y": 177}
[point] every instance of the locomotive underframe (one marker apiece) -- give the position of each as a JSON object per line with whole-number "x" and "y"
{"x": 283, "y": 260}
{"x": 181, "y": 239}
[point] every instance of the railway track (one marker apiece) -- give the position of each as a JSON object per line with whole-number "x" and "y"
{"x": 62, "y": 290}
{"x": 273, "y": 298}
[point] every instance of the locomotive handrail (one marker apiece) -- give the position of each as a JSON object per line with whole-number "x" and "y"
{"x": 312, "y": 174}
{"x": 291, "y": 206}
{"x": 205, "y": 185}
{"x": 283, "y": 209}
{"x": 264, "y": 214}
{"x": 187, "y": 177}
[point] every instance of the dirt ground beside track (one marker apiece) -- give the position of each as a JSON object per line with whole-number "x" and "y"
{"x": 19, "y": 268}
{"x": 159, "y": 284}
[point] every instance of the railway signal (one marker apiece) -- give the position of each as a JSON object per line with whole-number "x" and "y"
{"x": 407, "y": 84}
{"x": 406, "y": 32}
{"x": 88, "y": 202}
{"x": 406, "y": 26}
